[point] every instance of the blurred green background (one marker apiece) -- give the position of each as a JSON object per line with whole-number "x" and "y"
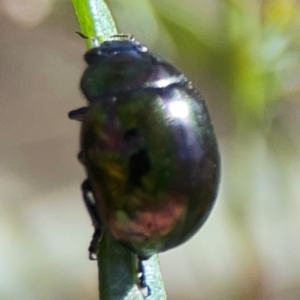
{"x": 244, "y": 57}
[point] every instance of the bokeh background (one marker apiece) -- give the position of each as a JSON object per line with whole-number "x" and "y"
{"x": 244, "y": 57}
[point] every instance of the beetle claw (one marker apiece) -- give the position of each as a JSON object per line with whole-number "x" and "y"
{"x": 92, "y": 256}
{"x": 80, "y": 157}
{"x": 93, "y": 248}
{"x": 142, "y": 277}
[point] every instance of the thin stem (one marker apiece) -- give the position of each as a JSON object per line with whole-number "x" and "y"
{"x": 118, "y": 273}
{"x": 95, "y": 20}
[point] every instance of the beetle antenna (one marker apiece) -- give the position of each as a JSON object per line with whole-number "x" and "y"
{"x": 95, "y": 42}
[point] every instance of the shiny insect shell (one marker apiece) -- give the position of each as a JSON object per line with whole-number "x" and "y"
{"x": 148, "y": 146}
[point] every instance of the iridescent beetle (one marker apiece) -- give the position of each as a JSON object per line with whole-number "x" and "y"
{"x": 148, "y": 147}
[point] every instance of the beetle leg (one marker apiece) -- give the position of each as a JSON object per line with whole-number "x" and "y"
{"x": 80, "y": 157}
{"x": 93, "y": 248}
{"x": 90, "y": 205}
{"x": 78, "y": 113}
{"x": 142, "y": 276}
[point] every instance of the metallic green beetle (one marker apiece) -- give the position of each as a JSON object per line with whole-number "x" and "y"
{"x": 148, "y": 146}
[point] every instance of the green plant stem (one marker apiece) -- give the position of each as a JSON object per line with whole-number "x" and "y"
{"x": 95, "y": 20}
{"x": 118, "y": 274}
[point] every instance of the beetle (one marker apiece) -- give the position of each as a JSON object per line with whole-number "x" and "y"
{"x": 148, "y": 147}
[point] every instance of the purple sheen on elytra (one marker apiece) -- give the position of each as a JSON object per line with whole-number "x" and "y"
{"x": 148, "y": 146}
